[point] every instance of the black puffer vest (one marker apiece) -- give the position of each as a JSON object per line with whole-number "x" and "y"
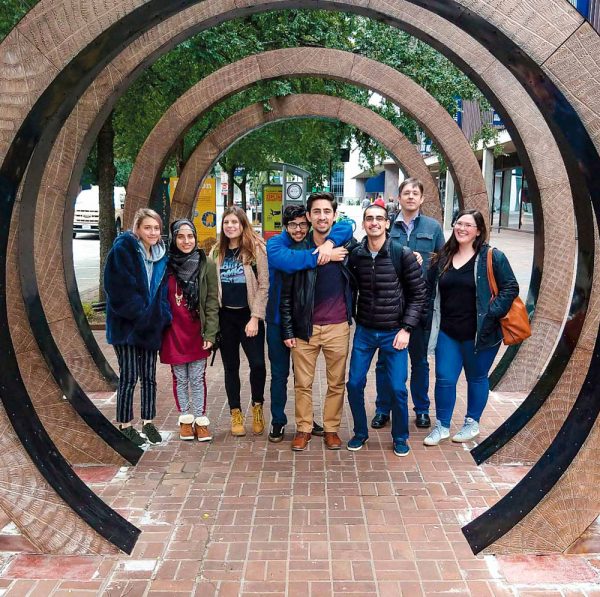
{"x": 384, "y": 301}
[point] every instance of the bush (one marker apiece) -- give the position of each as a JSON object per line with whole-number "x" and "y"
{"x": 88, "y": 311}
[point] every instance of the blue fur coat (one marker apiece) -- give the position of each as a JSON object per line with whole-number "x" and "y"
{"x": 136, "y": 312}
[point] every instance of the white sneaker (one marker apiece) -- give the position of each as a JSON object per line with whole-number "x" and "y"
{"x": 438, "y": 433}
{"x": 469, "y": 430}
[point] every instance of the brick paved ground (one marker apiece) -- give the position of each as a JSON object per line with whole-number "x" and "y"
{"x": 240, "y": 516}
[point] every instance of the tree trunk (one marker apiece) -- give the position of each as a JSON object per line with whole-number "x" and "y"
{"x": 242, "y": 187}
{"x": 106, "y": 182}
{"x": 230, "y": 184}
{"x": 179, "y": 159}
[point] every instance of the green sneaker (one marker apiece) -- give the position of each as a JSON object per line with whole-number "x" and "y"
{"x": 131, "y": 433}
{"x": 151, "y": 433}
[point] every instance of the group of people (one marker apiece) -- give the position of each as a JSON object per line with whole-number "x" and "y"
{"x": 407, "y": 290}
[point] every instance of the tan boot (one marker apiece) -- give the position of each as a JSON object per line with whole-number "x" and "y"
{"x": 186, "y": 431}
{"x": 237, "y": 423}
{"x": 201, "y": 429}
{"x": 258, "y": 419}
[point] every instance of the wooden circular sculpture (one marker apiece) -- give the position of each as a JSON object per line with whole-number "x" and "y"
{"x": 53, "y": 56}
{"x": 334, "y": 64}
{"x": 208, "y": 151}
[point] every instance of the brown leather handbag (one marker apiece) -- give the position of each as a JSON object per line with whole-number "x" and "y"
{"x": 515, "y": 324}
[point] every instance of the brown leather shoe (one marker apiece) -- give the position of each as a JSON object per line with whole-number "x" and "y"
{"x": 300, "y": 441}
{"x": 332, "y": 440}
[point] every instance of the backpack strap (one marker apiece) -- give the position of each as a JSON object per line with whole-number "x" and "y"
{"x": 396, "y": 250}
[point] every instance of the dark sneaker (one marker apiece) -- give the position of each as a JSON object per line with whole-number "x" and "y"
{"x": 131, "y": 433}
{"x": 277, "y": 433}
{"x": 151, "y": 433}
{"x": 401, "y": 448}
{"x": 379, "y": 421}
{"x": 317, "y": 429}
{"x": 356, "y": 443}
{"x": 423, "y": 421}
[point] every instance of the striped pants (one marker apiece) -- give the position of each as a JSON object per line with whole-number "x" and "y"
{"x": 189, "y": 380}
{"x": 136, "y": 363}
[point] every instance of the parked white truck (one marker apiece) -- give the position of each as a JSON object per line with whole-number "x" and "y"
{"x": 87, "y": 211}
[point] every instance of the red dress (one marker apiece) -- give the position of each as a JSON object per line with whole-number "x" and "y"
{"x": 182, "y": 340}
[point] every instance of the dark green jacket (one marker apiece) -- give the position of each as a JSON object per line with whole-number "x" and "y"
{"x": 208, "y": 306}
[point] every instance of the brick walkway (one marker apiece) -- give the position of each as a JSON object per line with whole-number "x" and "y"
{"x": 241, "y": 516}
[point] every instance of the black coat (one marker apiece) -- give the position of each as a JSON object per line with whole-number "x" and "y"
{"x": 386, "y": 301}
{"x": 136, "y": 313}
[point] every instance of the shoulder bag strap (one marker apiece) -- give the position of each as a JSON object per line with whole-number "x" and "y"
{"x": 490, "y": 273}
{"x": 396, "y": 256}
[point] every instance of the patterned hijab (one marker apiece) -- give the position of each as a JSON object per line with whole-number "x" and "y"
{"x": 186, "y": 266}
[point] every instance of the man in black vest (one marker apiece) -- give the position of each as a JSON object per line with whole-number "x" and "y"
{"x": 391, "y": 299}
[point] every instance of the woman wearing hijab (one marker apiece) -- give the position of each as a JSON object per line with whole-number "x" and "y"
{"x": 193, "y": 298}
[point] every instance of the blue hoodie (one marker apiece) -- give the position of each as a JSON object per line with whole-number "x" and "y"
{"x": 137, "y": 309}
{"x": 283, "y": 258}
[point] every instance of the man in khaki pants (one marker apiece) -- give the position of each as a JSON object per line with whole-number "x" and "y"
{"x": 316, "y": 312}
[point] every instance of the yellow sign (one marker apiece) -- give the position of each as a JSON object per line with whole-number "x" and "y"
{"x": 272, "y": 209}
{"x": 172, "y": 185}
{"x": 205, "y": 213}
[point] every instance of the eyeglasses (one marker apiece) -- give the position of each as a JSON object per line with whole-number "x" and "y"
{"x": 463, "y": 225}
{"x": 375, "y": 219}
{"x": 296, "y": 225}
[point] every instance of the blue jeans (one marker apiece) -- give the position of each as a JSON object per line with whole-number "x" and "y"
{"x": 279, "y": 355}
{"x": 366, "y": 342}
{"x": 450, "y": 357}
{"x": 419, "y": 377}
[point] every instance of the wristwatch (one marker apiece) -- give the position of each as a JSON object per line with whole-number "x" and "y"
{"x": 406, "y": 327}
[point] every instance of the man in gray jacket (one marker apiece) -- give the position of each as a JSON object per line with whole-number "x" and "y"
{"x": 424, "y": 236}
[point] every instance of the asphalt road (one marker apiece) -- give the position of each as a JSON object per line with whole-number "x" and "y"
{"x": 86, "y": 256}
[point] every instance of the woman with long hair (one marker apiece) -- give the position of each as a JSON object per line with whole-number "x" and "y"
{"x": 192, "y": 295}
{"x": 465, "y": 321}
{"x": 136, "y": 313}
{"x": 243, "y": 277}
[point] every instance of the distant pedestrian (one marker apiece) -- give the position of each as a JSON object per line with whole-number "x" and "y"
{"x": 392, "y": 208}
{"x": 186, "y": 343}
{"x": 365, "y": 203}
{"x": 243, "y": 278}
{"x": 137, "y": 311}
{"x": 465, "y": 321}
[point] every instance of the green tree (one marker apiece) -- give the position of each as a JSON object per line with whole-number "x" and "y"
{"x": 11, "y": 12}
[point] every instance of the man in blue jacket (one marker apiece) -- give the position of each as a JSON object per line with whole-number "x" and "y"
{"x": 283, "y": 258}
{"x": 424, "y": 236}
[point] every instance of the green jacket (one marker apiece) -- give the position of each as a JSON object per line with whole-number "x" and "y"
{"x": 208, "y": 305}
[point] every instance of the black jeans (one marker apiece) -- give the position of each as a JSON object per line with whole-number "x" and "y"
{"x": 232, "y": 323}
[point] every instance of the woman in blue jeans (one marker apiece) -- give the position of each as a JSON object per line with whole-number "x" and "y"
{"x": 465, "y": 321}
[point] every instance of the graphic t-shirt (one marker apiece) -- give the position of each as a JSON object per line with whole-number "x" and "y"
{"x": 330, "y": 302}
{"x": 233, "y": 281}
